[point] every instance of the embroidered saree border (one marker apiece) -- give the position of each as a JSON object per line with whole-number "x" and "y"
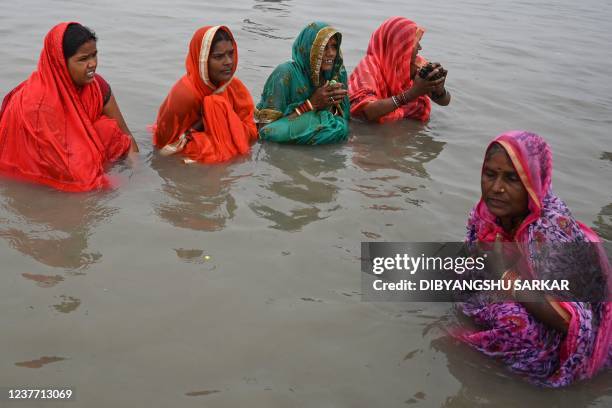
{"x": 521, "y": 172}
{"x": 267, "y": 115}
{"x": 205, "y": 54}
{"x": 316, "y": 52}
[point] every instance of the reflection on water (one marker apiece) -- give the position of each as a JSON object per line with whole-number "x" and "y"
{"x": 603, "y": 223}
{"x": 261, "y": 29}
{"x": 39, "y": 363}
{"x": 201, "y": 393}
{"x": 478, "y": 375}
{"x": 195, "y": 196}
{"x": 44, "y": 281}
{"x": 301, "y": 182}
{"x": 68, "y": 304}
{"x": 280, "y": 7}
{"x": 328, "y": 199}
{"x": 190, "y": 255}
{"x": 388, "y": 153}
{"x": 404, "y": 147}
{"x": 50, "y": 226}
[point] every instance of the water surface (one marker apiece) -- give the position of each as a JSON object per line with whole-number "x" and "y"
{"x": 239, "y": 283}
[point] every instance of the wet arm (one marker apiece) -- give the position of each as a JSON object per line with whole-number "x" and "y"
{"x": 543, "y": 310}
{"x": 111, "y": 109}
{"x": 375, "y": 110}
{"x": 542, "y": 307}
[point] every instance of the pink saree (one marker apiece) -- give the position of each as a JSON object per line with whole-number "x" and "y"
{"x": 507, "y": 330}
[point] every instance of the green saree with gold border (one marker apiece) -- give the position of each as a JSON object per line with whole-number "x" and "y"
{"x": 292, "y": 82}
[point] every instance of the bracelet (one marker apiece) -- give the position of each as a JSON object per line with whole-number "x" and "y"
{"x": 303, "y": 108}
{"x": 394, "y": 99}
{"x": 503, "y": 277}
{"x": 401, "y": 98}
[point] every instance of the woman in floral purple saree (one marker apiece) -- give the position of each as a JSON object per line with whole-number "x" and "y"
{"x": 552, "y": 343}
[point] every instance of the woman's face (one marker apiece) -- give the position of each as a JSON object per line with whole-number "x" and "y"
{"x": 82, "y": 65}
{"x": 221, "y": 62}
{"x": 329, "y": 54}
{"x": 413, "y": 66}
{"x": 502, "y": 189}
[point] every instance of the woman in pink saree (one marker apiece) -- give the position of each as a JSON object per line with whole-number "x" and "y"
{"x": 551, "y": 342}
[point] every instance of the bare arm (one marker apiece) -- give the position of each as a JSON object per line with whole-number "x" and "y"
{"x": 324, "y": 97}
{"x": 542, "y": 307}
{"x": 377, "y": 109}
{"x": 374, "y": 110}
{"x": 111, "y": 109}
{"x": 543, "y": 310}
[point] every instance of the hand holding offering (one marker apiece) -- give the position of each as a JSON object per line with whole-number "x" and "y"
{"x": 432, "y": 71}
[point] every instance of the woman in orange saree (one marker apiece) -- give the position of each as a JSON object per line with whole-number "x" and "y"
{"x": 208, "y": 114}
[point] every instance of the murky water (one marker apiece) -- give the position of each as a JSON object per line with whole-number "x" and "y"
{"x": 238, "y": 284}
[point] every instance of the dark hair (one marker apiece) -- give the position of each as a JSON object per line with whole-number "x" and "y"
{"x": 75, "y": 36}
{"x": 495, "y": 148}
{"x": 220, "y": 35}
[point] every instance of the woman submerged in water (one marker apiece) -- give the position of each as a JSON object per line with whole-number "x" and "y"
{"x": 305, "y": 101}
{"x": 62, "y": 126}
{"x": 551, "y": 341}
{"x": 208, "y": 114}
{"x": 386, "y": 85}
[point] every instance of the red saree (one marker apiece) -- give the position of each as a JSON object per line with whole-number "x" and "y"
{"x": 227, "y": 111}
{"x": 52, "y": 132}
{"x": 385, "y": 71}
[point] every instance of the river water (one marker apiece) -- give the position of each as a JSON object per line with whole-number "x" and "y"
{"x": 236, "y": 284}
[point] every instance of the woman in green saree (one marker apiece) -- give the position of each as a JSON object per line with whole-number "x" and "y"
{"x": 305, "y": 100}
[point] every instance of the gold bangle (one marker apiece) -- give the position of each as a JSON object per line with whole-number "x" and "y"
{"x": 297, "y": 110}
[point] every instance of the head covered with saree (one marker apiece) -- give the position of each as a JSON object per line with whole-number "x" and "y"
{"x": 294, "y": 81}
{"x": 226, "y": 108}
{"x": 385, "y": 71}
{"x": 53, "y": 132}
{"x": 548, "y": 221}
{"x": 196, "y": 63}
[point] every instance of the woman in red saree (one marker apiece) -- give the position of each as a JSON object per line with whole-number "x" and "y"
{"x": 62, "y": 126}
{"x": 385, "y": 86}
{"x": 208, "y": 114}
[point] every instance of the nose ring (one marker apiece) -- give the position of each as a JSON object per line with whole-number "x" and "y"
{"x": 502, "y": 190}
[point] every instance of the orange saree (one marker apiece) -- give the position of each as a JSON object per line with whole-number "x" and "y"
{"x": 226, "y": 110}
